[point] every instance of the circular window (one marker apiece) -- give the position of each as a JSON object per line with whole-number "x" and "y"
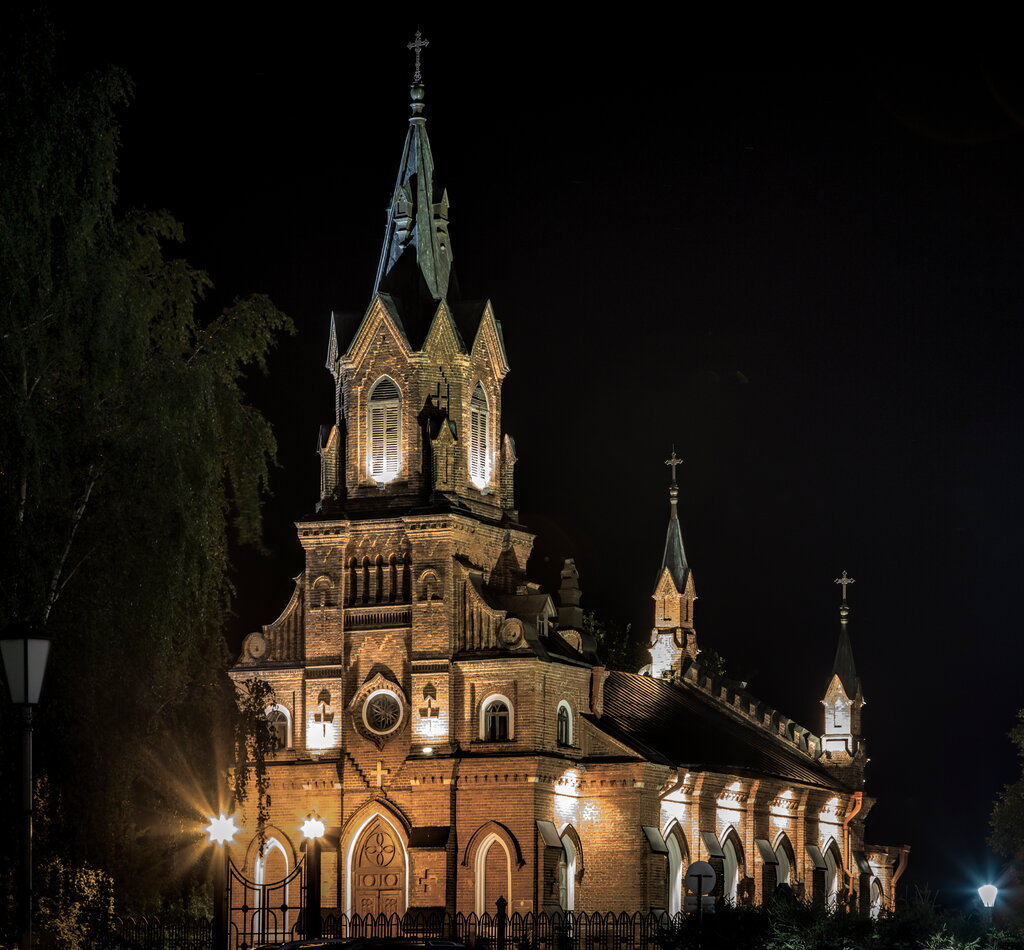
{"x": 382, "y": 712}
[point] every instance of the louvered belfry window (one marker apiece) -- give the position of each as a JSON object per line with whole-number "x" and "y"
{"x": 383, "y": 426}
{"x": 479, "y": 450}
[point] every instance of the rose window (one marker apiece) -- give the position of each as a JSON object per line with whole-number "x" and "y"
{"x": 382, "y": 712}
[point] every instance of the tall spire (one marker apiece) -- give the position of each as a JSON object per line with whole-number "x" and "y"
{"x": 675, "y": 556}
{"x": 842, "y": 739}
{"x": 843, "y": 665}
{"x": 417, "y": 229}
{"x": 673, "y": 638}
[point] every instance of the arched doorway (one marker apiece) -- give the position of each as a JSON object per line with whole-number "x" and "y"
{"x": 378, "y": 870}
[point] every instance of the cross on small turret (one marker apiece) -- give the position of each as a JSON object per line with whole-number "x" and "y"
{"x": 675, "y": 461}
{"x": 844, "y": 580}
{"x": 416, "y": 45}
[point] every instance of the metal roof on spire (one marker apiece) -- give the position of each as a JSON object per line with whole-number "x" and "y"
{"x": 843, "y": 665}
{"x": 675, "y": 555}
{"x": 417, "y": 229}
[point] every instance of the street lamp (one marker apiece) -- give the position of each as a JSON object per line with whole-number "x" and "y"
{"x": 220, "y": 831}
{"x": 313, "y": 830}
{"x": 25, "y": 653}
{"x": 988, "y": 894}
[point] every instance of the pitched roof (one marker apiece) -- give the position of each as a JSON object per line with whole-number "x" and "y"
{"x": 676, "y": 724}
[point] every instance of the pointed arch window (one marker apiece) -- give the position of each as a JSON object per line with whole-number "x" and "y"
{"x": 383, "y": 427}
{"x": 479, "y": 443}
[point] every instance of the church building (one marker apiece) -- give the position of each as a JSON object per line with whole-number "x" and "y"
{"x": 452, "y": 724}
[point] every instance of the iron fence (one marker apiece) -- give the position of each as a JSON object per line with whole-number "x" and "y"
{"x": 151, "y": 933}
{"x": 566, "y": 930}
{"x": 499, "y": 931}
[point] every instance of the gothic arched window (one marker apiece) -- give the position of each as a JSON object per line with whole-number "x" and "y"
{"x": 833, "y": 863}
{"x": 383, "y": 430}
{"x": 479, "y": 447}
{"x": 564, "y": 724}
{"x": 730, "y": 869}
{"x": 496, "y": 721}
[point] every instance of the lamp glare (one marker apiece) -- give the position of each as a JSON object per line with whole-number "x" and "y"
{"x": 312, "y": 828}
{"x": 987, "y": 893}
{"x": 221, "y": 830}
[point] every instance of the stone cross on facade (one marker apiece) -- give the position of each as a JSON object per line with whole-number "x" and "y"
{"x": 381, "y": 773}
{"x": 675, "y": 462}
{"x": 844, "y": 580}
{"x": 416, "y": 45}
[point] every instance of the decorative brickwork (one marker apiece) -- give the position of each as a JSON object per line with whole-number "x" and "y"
{"x": 423, "y": 674}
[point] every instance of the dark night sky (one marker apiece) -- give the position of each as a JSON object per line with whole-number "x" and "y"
{"x": 805, "y": 276}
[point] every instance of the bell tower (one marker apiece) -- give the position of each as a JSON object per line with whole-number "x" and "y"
{"x": 673, "y": 636}
{"x": 418, "y": 383}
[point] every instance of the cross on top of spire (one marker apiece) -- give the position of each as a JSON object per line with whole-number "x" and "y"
{"x": 675, "y": 461}
{"x": 845, "y": 580}
{"x": 416, "y": 45}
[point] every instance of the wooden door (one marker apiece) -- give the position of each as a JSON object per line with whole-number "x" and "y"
{"x": 378, "y": 871}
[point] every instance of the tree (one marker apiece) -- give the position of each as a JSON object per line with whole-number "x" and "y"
{"x": 614, "y": 643}
{"x": 128, "y": 457}
{"x": 1008, "y": 812}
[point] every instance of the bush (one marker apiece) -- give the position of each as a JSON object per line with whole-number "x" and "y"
{"x": 75, "y": 903}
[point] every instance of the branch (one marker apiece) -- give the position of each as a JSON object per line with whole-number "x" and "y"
{"x": 56, "y": 585}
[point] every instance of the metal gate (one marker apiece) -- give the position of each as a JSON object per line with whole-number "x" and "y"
{"x": 259, "y": 912}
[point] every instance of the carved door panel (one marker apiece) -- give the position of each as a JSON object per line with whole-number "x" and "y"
{"x": 378, "y": 872}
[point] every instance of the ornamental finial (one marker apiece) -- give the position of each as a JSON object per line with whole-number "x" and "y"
{"x": 416, "y": 45}
{"x": 675, "y": 462}
{"x": 844, "y": 608}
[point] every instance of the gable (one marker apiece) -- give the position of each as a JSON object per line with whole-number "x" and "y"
{"x": 488, "y": 344}
{"x": 443, "y": 338}
{"x": 380, "y": 326}
{"x": 666, "y": 586}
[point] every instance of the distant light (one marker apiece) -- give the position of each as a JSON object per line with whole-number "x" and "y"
{"x": 428, "y": 750}
{"x": 312, "y": 828}
{"x": 987, "y": 893}
{"x": 221, "y": 830}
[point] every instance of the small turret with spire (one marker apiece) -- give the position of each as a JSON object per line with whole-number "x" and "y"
{"x": 843, "y": 742}
{"x": 673, "y": 636}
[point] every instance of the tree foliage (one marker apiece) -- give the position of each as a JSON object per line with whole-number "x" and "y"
{"x": 614, "y": 643}
{"x": 128, "y": 456}
{"x": 255, "y": 741}
{"x": 1008, "y": 812}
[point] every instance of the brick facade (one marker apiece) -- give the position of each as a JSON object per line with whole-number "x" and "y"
{"x": 413, "y": 617}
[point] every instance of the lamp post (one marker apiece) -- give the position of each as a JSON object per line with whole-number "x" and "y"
{"x": 220, "y": 831}
{"x": 988, "y": 894}
{"x": 25, "y": 653}
{"x": 313, "y": 830}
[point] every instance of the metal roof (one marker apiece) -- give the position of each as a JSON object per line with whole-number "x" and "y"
{"x": 675, "y": 556}
{"x": 675, "y": 723}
